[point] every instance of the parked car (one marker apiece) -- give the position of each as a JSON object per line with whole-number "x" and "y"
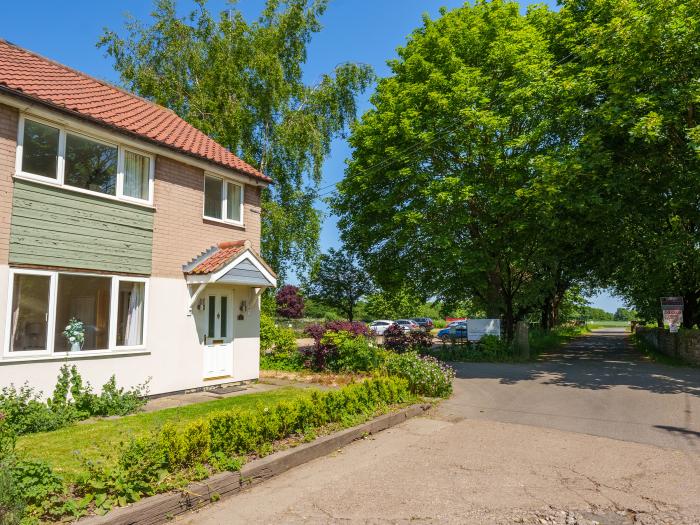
{"x": 455, "y": 330}
{"x": 379, "y": 326}
{"x": 407, "y": 325}
{"x": 426, "y": 323}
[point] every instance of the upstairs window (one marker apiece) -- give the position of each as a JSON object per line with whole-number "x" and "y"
{"x": 137, "y": 173}
{"x": 52, "y": 154}
{"x": 91, "y": 165}
{"x": 223, "y": 200}
{"x": 40, "y": 152}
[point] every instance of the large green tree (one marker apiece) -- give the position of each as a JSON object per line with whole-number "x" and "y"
{"x": 242, "y": 83}
{"x": 339, "y": 281}
{"x": 639, "y": 61}
{"x": 459, "y": 177}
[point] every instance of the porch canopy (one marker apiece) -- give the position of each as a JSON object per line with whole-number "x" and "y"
{"x": 233, "y": 262}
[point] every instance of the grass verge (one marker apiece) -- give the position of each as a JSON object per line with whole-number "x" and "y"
{"x": 63, "y": 448}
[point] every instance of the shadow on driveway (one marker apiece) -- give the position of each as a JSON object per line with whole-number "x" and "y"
{"x": 598, "y": 361}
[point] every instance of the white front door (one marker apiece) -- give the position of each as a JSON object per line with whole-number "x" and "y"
{"x": 218, "y": 341}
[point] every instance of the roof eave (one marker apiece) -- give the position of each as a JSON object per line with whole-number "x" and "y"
{"x": 116, "y": 129}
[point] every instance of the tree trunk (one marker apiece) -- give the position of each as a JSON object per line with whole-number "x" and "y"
{"x": 509, "y": 321}
{"x": 493, "y": 296}
{"x": 546, "y": 313}
{"x": 690, "y": 310}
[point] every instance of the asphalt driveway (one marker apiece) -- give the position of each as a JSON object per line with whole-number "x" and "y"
{"x": 591, "y": 434}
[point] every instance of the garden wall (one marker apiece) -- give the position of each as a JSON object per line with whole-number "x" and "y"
{"x": 685, "y": 344}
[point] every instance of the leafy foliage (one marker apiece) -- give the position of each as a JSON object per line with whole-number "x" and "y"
{"x": 278, "y": 346}
{"x": 25, "y": 411}
{"x": 324, "y": 350}
{"x": 241, "y": 83}
{"x": 397, "y": 340}
{"x": 290, "y": 303}
{"x": 339, "y": 281}
{"x": 425, "y": 375}
{"x": 470, "y": 125}
{"x": 174, "y": 456}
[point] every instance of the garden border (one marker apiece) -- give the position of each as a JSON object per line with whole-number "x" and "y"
{"x": 164, "y": 507}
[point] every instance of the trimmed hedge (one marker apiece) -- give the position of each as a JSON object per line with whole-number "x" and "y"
{"x": 172, "y": 457}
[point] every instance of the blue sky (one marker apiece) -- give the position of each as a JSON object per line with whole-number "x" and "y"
{"x": 367, "y": 31}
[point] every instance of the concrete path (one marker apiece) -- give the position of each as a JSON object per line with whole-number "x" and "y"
{"x": 590, "y": 434}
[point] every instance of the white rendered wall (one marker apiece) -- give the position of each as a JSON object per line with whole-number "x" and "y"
{"x": 173, "y": 357}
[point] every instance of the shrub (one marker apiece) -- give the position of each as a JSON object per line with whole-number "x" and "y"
{"x": 290, "y": 303}
{"x": 278, "y": 347}
{"x": 324, "y": 349}
{"x": 26, "y": 413}
{"x": 351, "y": 353}
{"x": 439, "y": 323}
{"x": 425, "y": 375}
{"x": 145, "y": 464}
{"x": 396, "y": 340}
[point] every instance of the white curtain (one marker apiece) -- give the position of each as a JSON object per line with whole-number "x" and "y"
{"x": 136, "y": 169}
{"x": 17, "y": 300}
{"x": 134, "y": 319}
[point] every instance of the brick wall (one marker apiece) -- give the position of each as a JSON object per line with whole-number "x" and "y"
{"x": 9, "y": 117}
{"x": 179, "y": 231}
{"x": 685, "y": 344}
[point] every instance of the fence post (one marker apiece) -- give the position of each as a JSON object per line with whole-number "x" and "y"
{"x": 521, "y": 342}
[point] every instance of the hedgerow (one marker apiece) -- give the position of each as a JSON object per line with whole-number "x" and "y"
{"x": 174, "y": 456}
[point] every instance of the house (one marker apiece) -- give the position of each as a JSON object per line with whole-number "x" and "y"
{"x": 117, "y": 213}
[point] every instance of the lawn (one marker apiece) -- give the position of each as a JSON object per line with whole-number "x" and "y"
{"x": 63, "y": 448}
{"x": 607, "y": 324}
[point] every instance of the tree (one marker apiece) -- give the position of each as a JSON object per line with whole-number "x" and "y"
{"x": 241, "y": 83}
{"x": 290, "y": 303}
{"x": 339, "y": 281}
{"x": 623, "y": 314}
{"x": 393, "y": 304}
{"x": 458, "y": 179}
{"x": 640, "y": 150}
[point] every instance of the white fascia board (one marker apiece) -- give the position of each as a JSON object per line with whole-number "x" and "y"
{"x": 246, "y": 254}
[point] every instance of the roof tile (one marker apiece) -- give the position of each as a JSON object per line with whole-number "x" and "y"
{"x": 52, "y": 83}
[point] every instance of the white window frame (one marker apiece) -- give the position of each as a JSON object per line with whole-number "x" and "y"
{"x": 53, "y": 301}
{"x": 224, "y": 199}
{"x": 61, "y": 162}
{"x": 52, "y": 313}
{"x": 114, "y": 308}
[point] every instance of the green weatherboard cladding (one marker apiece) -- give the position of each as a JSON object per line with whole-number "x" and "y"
{"x": 52, "y": 226}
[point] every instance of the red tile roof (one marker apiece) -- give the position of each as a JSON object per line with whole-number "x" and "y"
{"x": 28, "y": 74}
{"x": 215, "y": 258}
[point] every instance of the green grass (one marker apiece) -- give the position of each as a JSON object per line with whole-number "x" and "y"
{"x": 541, "y": 341}
{"x": 63, "y": 448}
{"x": 607, "y": 324}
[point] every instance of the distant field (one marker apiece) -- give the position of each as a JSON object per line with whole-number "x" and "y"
{"x": 604, "y": 324}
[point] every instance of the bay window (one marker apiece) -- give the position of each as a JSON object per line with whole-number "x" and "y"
{"x": 52, "y": 154}
{"x": 223, "y": 200}
{"x": 110, "y": 309}
{"x": 30, "y": 313}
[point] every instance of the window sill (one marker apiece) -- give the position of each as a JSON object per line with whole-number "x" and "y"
{"x": 224, "y": 222}
{"x": 73, "y": 356}
{"x": 54, "y": 183}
